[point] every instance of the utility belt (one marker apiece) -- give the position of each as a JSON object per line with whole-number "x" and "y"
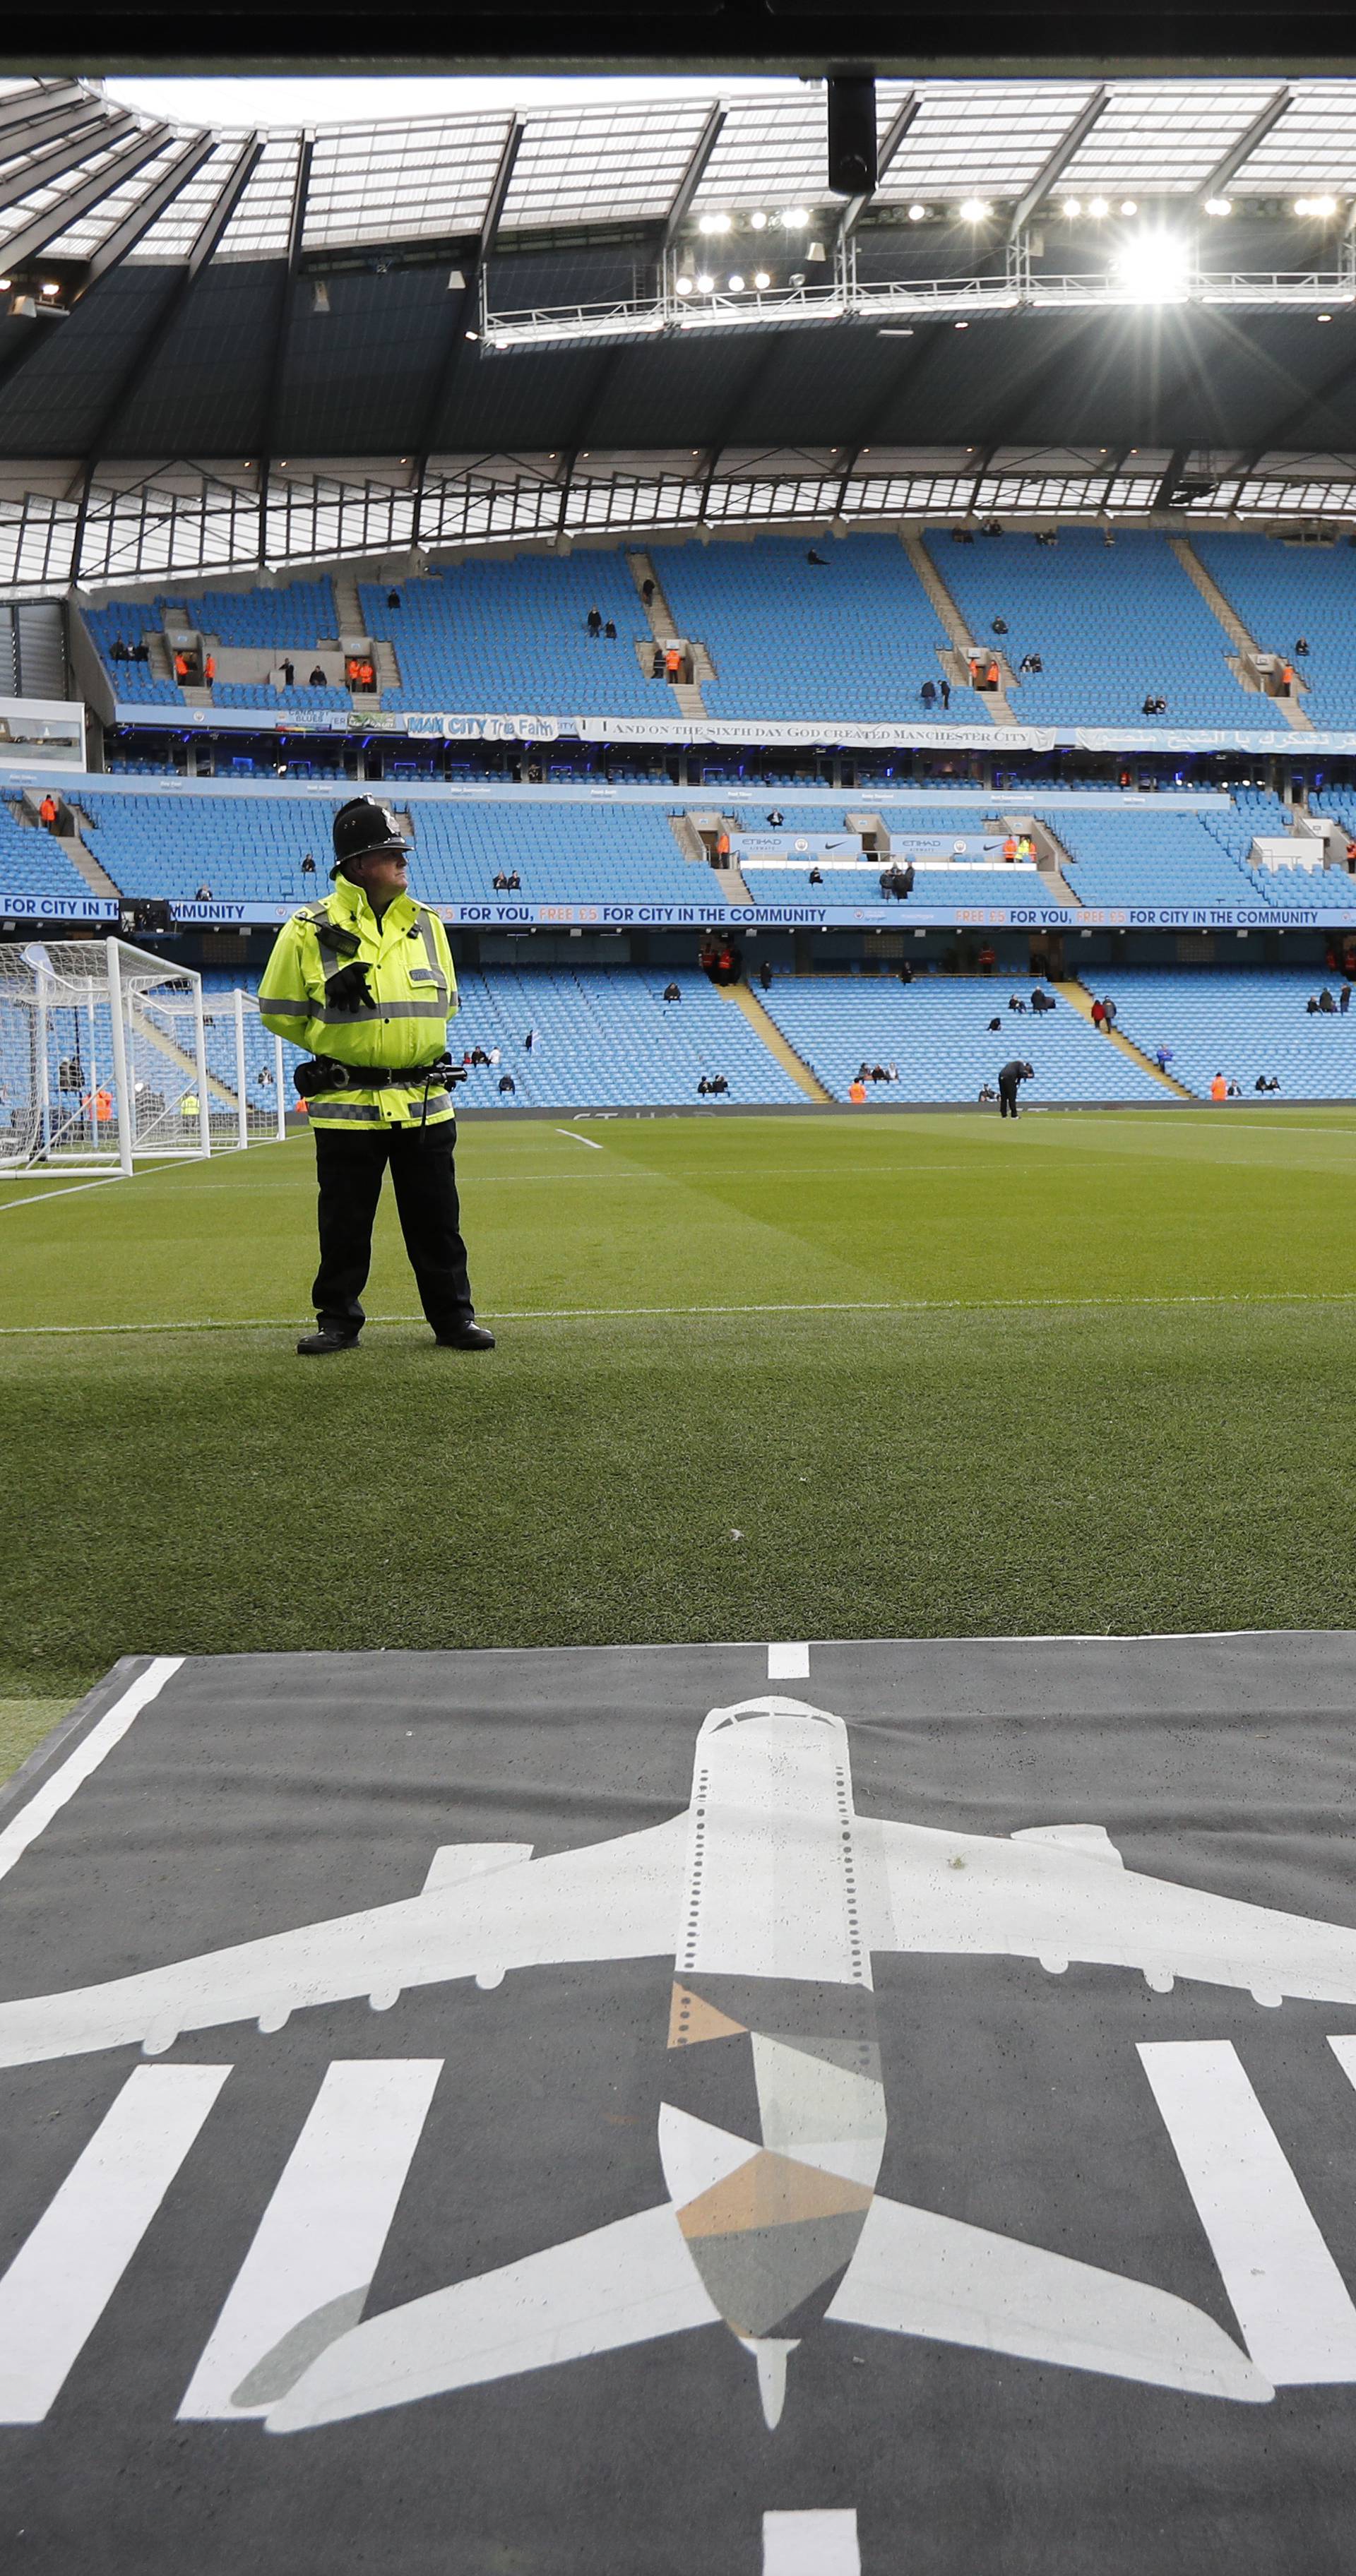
{"x": 325, "y": 1073}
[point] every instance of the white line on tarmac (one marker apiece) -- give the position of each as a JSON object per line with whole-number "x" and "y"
{"x": 619, "y": 1314}
{"x": 60, "y": 1785}
{"x": 577, "y": 1139}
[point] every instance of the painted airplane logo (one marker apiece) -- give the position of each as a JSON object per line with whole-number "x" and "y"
{"x": 771, "y": 1895}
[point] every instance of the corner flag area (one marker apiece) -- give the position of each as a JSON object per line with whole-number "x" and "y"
{"x": 882, "y": 1375}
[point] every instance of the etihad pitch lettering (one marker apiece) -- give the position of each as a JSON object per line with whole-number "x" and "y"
{"x": 771, "y": 1895}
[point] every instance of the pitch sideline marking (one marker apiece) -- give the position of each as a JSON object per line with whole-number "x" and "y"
{"x": 62, "y": 1784}
{"x": 617, "y": 1314}
{"x": 576, "y": 1139}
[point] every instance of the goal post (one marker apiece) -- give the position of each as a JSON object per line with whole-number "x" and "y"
{"x": 102, "y": 1058}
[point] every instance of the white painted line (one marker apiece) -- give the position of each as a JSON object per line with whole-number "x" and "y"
{"x": 576, "y": 1139}
{"x": 319, "y": 2241}
{"x": 1285, "y": 2289}
{"x": 811, "y": 2544}
{"x": 788, "y": 1663}
{"x": 65, "y": 2273}
{"x": 71, "y": 1191}
{"x": 53, "y": 1793}
{"x": 619, "y": 1314}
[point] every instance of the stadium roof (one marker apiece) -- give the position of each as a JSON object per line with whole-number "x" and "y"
{"x": 518, "y": 300}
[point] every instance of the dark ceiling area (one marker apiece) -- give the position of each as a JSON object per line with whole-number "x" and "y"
{"x": 244, "y": 363}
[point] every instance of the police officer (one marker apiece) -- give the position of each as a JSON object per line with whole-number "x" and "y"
{"x": 365, "y": 980}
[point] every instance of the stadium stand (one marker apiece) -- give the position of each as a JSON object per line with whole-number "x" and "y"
{"x": 1284, "y": 592}
{"x": 513, "y": 634}
{"x": 1112, "y": 625}
{"x": 607, "y": 1039}
{"x": 1173, "y": 858}
{"x": 932, "y": 885}
{"x": 937, "y": 1030}
{"x": 1241, "y": 1024}
{"x": 855, "y": 635}
{"x": 34, "y": 862}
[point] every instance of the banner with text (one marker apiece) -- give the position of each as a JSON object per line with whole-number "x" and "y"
{"x": 806, "y": 916}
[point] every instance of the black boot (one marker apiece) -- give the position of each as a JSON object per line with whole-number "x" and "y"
{"x": 467, "y": 1337}
{"x": 327, "y": 1337}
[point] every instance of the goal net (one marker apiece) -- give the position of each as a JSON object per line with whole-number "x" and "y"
{"x": 107, "y": 1057}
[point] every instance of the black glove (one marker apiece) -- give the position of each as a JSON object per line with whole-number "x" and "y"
{"x": 349, "y": 990}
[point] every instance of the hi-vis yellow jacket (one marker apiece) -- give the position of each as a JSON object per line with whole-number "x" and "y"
{"x": 411, "y": 976}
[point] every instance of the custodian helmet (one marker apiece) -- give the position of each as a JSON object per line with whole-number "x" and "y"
{"x": 361, "y": 829}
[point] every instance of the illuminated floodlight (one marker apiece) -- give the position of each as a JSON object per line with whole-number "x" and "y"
{"x": 1324, "y": 207}
{"x": 1072, "y": 206}
{"x": 735, "y": 284}
{"x": 758, "y": 222}
{"x": 1303, "y": 206}
{"x": 761, "y": 279}
{"x": 795, "y": 218}
{"x": 973, "y": 210}
{"x": 1219, "y": 206}
{"x": 917, "y": 214}
{"x": 1155, "y": 269}
{"x": 1098, "y": 206}
{"x": 706, "y": 285}
{"x": 684, "y": 286}
{"x": 51, "y": 287}
{"x": 1323, "y": 317}
{"x": 713, "y": 223}
{"x": 1128, "y": 206}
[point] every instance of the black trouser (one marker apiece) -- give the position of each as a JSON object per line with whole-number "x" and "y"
{"x": 1007, "y": 1100}
{"x": 349, "y": 1170}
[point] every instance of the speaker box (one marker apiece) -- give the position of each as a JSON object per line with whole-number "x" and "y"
{"x": 852, "y": 134}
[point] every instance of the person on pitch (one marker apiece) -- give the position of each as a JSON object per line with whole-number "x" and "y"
{"x": 365, "y": 981}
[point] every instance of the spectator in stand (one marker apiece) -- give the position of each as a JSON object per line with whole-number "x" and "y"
{"x": 141, "y": 652}
{"x": 204, "y": 893}
{"x": 776, "y": 818}
{"x": 987, "y": 1091}
{"x": 1015, "y": 1003}
{"x": 1301, "y": 648}
{"x": 594, "y": 621}
{"x": 1219, "y": 1089}
{"x": 1008, "y": 1080}
{"x": 1325, "y": 1001}
{"x": 906, "y": 973}
{"x": 1042, "y": 1001}
{"x": 1312, "y": 1004}
{"x": 393, "y": 599}
{"x": 610, "y": 631}
{"x": 1099, "y": 1015}
{"x": 1344, "y": 1000}
{"x": 928, "y": 693}
{"x": 507, "y": 1085}
{"x": 494, "y": 1055}
{"x": 814, "y": 558}
{"x": 816, "y": 876}
{"x": 514, "y": 882}
{"x": 530, "y": 1041}
{"x": 657, "y": 663}
{"x": 478, "y": 1056}
{"x": 1109, "y": 1014}
{"x": 317, "y": 679}
{"x": 673, "y": 992}
{"x": 647, "y": 591}
{"x": 765, "y": 978}
{"x": 1235, "y": 1091}
{"x": 946, "y": 697}
{"x": 117, "y": 651}
{"x": 994, "y": 1025}
{"x": 289, "y": 671}
{"x": 1163, "y": 1058}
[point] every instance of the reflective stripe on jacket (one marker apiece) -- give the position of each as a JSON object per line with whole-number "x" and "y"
{"x": 414, "y": 987}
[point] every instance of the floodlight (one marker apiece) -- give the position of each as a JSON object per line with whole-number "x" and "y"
{"x": 1323, "y": 206}
{"x": 761, "y": 279}
{"x": 1323, "y": 317}
{"x": 1155, "y": 269}
{"x": 1303, "y": 206}
{"x": 1072, "y": 206}
{"x": 794, "y": 218}
{"x": 1098, "y": 206}
{"x": 713, "y": 223}
{"x": 706, "y": 285}
{"x": 735, "y": 284}
{"x": 1128, "y": 206}
{"x": 917, "y": 214}
{"x": 1218, "y": 206}
{"x": 684, "y": 286}
{"x": 973, "y": 210}
{"x": 5, "y": 285}
{"x": 758, "y": 222}
{"x": 51, "y": 287}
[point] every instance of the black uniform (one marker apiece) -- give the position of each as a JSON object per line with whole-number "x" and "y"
{"x": 1008, "y": 1080}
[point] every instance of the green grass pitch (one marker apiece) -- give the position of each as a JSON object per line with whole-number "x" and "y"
{"x": 756, "y": 1377}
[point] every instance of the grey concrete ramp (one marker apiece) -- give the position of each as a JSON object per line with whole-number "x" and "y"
{"x": 728, "y": 2108}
